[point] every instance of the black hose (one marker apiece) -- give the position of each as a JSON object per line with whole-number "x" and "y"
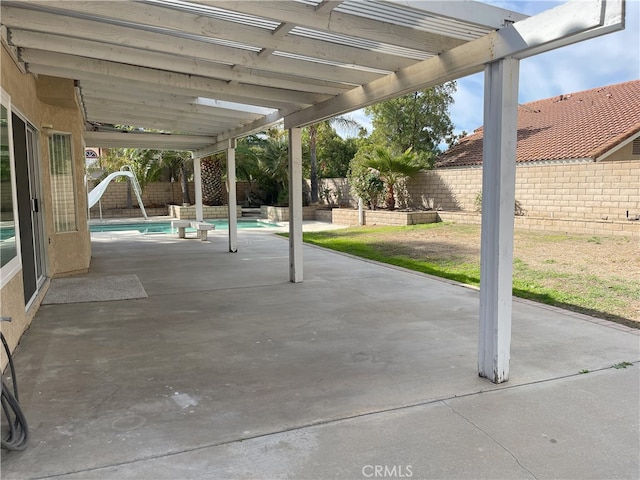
{"x": 18, "y": 431}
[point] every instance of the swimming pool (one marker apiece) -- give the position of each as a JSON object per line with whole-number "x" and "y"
{"x": 147, "y": 228}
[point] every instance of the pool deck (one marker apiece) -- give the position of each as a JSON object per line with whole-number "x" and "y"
{"x": 229, "y": 371}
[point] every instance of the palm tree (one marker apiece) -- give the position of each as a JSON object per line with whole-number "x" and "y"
{"x": 212, "y": 184}
{"x": 275, "y": 162}
{"x": 393, "y": 168}
{"x": 177, "y": 165}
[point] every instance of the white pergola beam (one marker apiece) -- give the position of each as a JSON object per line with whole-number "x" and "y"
{"x": 466, "y": 11}
{"x": 195, "y": 24}
{"x": 341, "y": 23}
{"x": 151, "y": 123}
{"x": 173, "y": 115}
{"x": 498, "y": 200}
{"x": 127, "y": 99}
{"x": 170, "y": 62}
{"x": 325, "y": 6}
{"x": 180, "y": 81}
{"x": 546, "y": 31}
{"x": 295, "y": 205}
{"x": 146, "y": 140}
{"x": 258, "y": 125}
{"x": 140, "y": 92}
{"x": 161, "y": 85}
{"x": 157, "y": 42}
{"x": 609, "y": 12}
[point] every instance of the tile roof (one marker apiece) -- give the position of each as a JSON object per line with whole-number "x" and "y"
{"x": 577, "y": 125}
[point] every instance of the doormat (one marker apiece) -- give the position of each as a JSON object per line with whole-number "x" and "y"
{"x": 94, "y": 289}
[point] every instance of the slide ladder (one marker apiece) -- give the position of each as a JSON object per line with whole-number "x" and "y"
{"x": 136, "y": 189}
{"x": 95, "y": 194}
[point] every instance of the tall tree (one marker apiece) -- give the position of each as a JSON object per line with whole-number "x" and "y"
{"x": 212, "y": 182}
{"x": 419, "y": 120}
{"x": 177, "y": 164}
{"x": 275, "y": 162}
{"x": 333, "y": 152}
{"x": 344, "y": 122}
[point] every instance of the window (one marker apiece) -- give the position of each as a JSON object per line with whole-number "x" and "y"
{"x": 635, "y": 149}
{"x": 9, "y": 254}
{"x": 62, "y": 185}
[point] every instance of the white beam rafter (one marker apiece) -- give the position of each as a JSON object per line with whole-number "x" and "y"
{"x": 145, "y": 140}
{"x": 325, "y": 6}
{"x": 157, "y": 119}
{"x": 127, "y": 100}
{"x": 182, "y": 81}
{"x": 171, "y": 62}
{"x": 104, "y": 87}
{"x": 153, "y": 123}
{"x": 340, "y": 23}
{"x": 563, "y": 25}
{"x": 173, "y": 43}
{"x": 469, "y": 12}
{"x": 189, "y": 114}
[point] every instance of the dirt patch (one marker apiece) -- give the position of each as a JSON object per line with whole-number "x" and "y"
{"x": 602, "y": 273}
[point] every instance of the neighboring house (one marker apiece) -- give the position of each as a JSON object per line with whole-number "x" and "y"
{"x": 578, "y": 159}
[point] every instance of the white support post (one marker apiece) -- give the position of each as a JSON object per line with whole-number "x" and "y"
{"x": 295, "y": 205}
{"x": 197, "y": 184}
{"x": 231, "y": 193}
{"x": 498, "y": 198}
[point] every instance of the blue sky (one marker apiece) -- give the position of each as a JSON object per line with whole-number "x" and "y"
{"x": 604, "y": 60}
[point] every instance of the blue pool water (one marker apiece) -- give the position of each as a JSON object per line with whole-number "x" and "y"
{"x": 8, "y": 232}
{"x": 165, "y": 227}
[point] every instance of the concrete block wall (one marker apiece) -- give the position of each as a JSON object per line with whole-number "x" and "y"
{"x": 335, "y": 185}
{"x": 208, "y": 212}
{"x": 155, "y": 194}
{"x": 281, "y": 214}
{"x": 596, "y": 227}
{"x": 349, "y": 216}
{"x": 584, "y": 191}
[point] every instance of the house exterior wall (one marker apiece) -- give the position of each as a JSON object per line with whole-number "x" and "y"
{"x": 622, "y": 154}
{"x": 66, "y": 253}
{"x": 580, "y": 191}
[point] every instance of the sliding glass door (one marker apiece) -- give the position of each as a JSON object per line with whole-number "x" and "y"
{"x": 29, "y": 206}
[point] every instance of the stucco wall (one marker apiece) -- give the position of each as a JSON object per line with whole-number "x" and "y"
{"x": 586, "y": 191}
{"x": 69, "y": 252}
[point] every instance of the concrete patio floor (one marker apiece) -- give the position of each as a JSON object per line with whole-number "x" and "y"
{"x": 227, "y": 370}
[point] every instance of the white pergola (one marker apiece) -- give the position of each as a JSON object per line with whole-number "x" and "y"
{"x": 209, "y": 72}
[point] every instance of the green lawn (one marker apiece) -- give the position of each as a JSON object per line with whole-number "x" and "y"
{"x": 553, "y": 269}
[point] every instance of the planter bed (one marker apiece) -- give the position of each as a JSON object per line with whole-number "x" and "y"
{"x": 348, "y": 216}
{"x": 189, "y": 213}
{"x": 281, "y": 214}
